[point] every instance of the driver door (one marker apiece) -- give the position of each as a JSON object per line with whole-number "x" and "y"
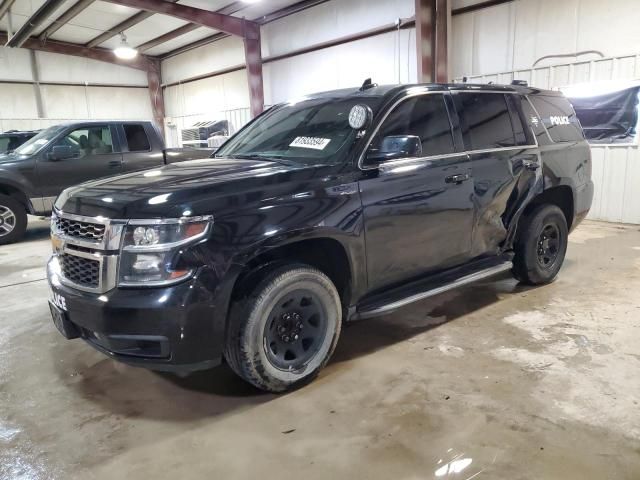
{"x": 95, "y": 154}
{"x": 418, "y": 211}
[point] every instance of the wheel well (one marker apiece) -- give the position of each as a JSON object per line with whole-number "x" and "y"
{"x": 561, "y": 196}
{"x": 325, "y": 254}
{"x": 17, "y": 194}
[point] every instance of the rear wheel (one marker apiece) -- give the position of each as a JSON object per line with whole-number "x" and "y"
{"x": 13, "y": 220}
{"x": 541, "y": 245}
{"x": 284, "y": 333}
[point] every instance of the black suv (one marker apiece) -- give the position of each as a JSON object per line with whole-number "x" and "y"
{"x": 334, "y": 207}
{"x": 12, "y": 139}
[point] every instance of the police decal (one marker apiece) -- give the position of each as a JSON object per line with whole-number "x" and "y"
{"x": 559, "y": 120}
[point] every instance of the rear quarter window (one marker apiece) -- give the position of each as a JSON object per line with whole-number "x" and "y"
{"x": 137, "y": 139}
{"x": 558, "y": 117}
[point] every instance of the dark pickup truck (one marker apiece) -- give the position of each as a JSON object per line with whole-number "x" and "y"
{"x": 34, "y": 173}
{"x": 336, "y": 207}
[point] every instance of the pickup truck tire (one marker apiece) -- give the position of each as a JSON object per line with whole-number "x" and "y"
{"x": 13, "y": 220}
{"x": 284, "y": 332}
{"x": 541, "y": 245}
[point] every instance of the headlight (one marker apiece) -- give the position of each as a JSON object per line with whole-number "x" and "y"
{"x": 150, "y": 250}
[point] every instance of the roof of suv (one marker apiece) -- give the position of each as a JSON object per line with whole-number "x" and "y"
{"x": 390, "y": 90}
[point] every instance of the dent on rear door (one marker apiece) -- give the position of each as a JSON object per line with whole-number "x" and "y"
{"x": 503, "y": 186}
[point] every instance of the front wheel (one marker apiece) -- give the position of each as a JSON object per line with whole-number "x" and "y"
{"x": 284, "y": 333}
{"x": 541, "y": 245}
{"x": 13, "y": 220}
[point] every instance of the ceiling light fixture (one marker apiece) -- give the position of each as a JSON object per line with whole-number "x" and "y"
{"x": 124, "y": 50}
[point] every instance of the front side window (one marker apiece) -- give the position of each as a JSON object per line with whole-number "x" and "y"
{"x": 424, "y": 117}
{"x": 485, "y": 120}
{"x": 308, "y": 132}
{"x": 94, "y": 140}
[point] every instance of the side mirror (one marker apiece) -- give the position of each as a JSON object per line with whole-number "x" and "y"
{"x": 396, "y": 146}
{"x": 61, "y": 152}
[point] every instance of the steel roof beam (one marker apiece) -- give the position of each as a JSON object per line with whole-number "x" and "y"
{"x": 205, "y": 18}
{"x": 141, "y": 62}
{"x": 189, "y": 27}
{"x": 62, "y": 20}
{"x": 5, "y": 6}
{"x": 33, "y": 22}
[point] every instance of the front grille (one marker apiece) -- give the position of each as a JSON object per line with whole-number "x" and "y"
{"x": 83, "y": 230}
{"x": 81, "y": 271}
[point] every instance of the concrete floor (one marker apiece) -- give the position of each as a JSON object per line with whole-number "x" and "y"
{"x": 491, "y": 381}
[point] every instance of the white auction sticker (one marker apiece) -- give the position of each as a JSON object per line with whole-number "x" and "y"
{"x": 314, "y": 143}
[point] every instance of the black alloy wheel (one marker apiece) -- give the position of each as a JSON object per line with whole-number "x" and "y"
{"x": 548, "y": 245}
{"x": 295, "y": 331}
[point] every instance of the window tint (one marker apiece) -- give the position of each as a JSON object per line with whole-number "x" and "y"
{"x": 95, "y": 140}
{"x": 4, "y": 144}
{"x": 485, "y": 120}
{"x": 136, "y": 138}
{"x": 425, "y": 117}
{"x": 558, "y": 117}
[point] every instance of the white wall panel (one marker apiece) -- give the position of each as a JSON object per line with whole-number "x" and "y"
{"x": 216, "y": 56}
{"x": 65, "y": 101}
{"x": 616, "y": 175}
{"x": 119, "y": 103}
{"x": 18, "y": 108}
{"x": 343, "y": 66}
{"x": 64, "y": 68}
{"x": 331, "y": 20}
{"x": 215, "y": 94}
{"x": 17, "y": 101}
{"x": 15, "y": 64}
{"x": 482, "y": 39}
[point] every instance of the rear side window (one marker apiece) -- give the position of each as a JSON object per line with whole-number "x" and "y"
{"x": 137, "y": 139}
{"x": 558, "y": 117}
{"x": 486, "y": 121}
{"x": 424, "y": 116}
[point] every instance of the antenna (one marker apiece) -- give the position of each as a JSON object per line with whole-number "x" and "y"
{"x": 367, "y": 85}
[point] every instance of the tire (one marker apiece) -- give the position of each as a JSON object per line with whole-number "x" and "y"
{"x": 541, "y": 245}
{"x": 13, "y": 220}
{"x": 285, "y": 331}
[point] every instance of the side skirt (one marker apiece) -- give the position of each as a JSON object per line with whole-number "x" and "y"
{"x": 398, "y": 297}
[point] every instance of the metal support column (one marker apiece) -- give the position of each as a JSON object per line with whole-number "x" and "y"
{"x": 253, "y": 59}
{"x": 432, "y": 18}
{"x": 443, "y": 14}
{"x": 156, "y": 94}
{"x": 35, "y": 74}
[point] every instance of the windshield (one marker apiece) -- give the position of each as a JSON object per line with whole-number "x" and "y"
{"x": 307, "y": 133}
{"x": 35, "y": 144}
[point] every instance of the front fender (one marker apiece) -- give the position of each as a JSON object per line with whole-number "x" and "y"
{"x": 15, "y": 181}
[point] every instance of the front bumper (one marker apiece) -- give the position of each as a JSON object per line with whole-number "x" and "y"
{"x": 176, "y": 328}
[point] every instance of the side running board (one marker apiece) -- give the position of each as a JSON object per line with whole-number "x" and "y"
{"x": 431, "y": 289}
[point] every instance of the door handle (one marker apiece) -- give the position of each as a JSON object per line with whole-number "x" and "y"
{"x": 530, "y": 165}
{"x": 457, "y": 178}
{"x": 114, "y": 163}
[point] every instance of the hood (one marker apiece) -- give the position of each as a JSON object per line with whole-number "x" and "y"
{"x": 190, "y": 188}
{"x": 11, "y": 157}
